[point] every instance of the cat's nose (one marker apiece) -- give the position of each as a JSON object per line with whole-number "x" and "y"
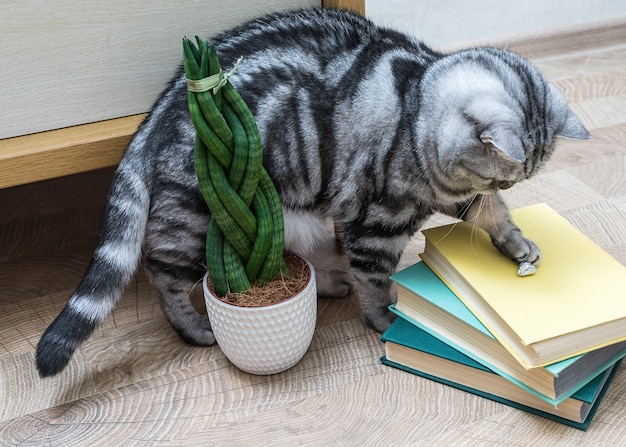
{"x": 505, "y": 184}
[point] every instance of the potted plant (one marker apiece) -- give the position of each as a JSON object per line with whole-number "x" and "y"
{"x": 245, "y": 237}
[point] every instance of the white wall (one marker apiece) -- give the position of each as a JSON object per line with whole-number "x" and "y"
{"x": 68, "y": 62}
{"x": 439, "y": 22}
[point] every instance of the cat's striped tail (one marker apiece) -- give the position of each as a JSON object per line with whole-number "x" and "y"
{"x": 113, "y": 264}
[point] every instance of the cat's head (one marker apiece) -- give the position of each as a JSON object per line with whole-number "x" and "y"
{"x": 490, "y": 120}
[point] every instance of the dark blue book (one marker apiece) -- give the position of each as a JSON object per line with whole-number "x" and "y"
{"x": 409, "y": 348}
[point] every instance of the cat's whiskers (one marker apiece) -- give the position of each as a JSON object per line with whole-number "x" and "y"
{"x": 475, "y": 226}
{"x": 461, "y": 212}
{"x": 467, "y": 206}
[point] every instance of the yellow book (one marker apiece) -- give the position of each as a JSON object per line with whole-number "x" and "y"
{"x": 574, "y": 303}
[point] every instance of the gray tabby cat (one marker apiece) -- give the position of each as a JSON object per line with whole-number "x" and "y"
{"x": 359, "y": 123}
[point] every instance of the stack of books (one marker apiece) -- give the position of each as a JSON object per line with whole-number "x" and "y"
{"x": 548, "y": 343}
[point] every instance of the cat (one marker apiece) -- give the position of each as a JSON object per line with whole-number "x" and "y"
{"x": 359, "y": 123}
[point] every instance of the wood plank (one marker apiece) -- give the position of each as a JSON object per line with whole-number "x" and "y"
{"x": 569, "y": 40}
{"x": 56, "y": 153}
{"x": 116, "y": 365}
{"x": 352, "y": 5}
{"x": 402, "y": 415}
{"x": 561, "y": 41}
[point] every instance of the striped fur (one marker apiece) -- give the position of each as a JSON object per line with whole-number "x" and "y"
{"x": 360, "y": 124}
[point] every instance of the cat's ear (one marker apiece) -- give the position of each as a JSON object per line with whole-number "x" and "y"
{"x": 502, "y": 138}
{"x": 572, "y": 127}
{"x": 569, "y": 125}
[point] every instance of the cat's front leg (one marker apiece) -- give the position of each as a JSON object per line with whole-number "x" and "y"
{"x": 491, "y": 214}
{"x": 373, "y": 254}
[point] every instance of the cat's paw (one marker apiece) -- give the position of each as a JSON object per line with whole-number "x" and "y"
{"x": 519, "y": 249}
{"x": 198, "y": 332}
{"x": 333, "y": 283}
{"x": 379, "y": 318}
{"x": 203, "y": 338}
{"x": 532, "y": 253}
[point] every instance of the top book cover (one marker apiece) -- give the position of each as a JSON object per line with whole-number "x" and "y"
{"x": 574, "y": 303}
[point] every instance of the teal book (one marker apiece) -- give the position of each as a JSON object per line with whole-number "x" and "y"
{"x": 425, "y": 301}
{"x": 411, "y": 349}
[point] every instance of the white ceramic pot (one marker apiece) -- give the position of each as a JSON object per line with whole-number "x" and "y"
{"x": 265, "y": 340}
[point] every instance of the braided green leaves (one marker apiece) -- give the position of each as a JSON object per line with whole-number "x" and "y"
{"x": 245, "y": 237}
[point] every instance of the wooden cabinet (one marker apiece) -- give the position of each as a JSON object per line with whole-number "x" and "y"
{"x": 92, "y": 72}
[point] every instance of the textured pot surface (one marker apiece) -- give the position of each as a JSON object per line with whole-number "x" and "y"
{"x": 269, "y": 339}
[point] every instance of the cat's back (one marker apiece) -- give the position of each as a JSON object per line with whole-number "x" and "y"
{"x": 288, "y": 47}
{"x": 329, "y": 37}
{"x": 320, "y": 54}
{"x": 319, "y": 30}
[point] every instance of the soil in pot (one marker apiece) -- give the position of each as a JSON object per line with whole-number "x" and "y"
{"x": 274, "y": 292}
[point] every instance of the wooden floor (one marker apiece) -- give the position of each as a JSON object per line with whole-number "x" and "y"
{"x": 136, "y": 383}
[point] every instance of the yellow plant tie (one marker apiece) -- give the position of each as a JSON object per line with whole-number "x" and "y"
{"x": 214, "y": 82}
